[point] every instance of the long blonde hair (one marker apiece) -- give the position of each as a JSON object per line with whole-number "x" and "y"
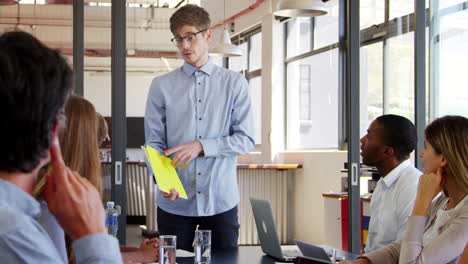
{"x": 448, "y": 136}
{"x": 78, "y": 140}
{"x": 80, "y": 149}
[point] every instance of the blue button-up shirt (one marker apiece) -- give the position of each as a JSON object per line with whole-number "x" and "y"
{"x": 23, "y": 240}
{"x": 212, "y": 105}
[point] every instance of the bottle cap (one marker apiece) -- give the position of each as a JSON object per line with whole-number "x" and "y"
{"x": 110, "y": 204}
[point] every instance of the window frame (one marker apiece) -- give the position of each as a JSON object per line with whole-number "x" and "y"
{"x": 373, "y": 34}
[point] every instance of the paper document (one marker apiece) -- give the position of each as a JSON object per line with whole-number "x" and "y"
{"x": 164, "y": 172}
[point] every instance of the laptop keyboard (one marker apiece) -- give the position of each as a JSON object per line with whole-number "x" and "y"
{"x": 291, "y": 252}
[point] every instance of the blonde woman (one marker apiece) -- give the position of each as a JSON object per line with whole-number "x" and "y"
{"x": 437, "y": 230}
{"x": 80, "y": 150}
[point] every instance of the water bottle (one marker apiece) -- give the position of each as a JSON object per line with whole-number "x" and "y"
{"x": 112, "y": 216}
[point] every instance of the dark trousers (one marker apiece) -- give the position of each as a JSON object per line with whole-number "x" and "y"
{"x": 224, "y": 228}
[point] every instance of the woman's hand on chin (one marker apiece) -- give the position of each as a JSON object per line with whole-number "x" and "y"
{"x": 430, "y": 184}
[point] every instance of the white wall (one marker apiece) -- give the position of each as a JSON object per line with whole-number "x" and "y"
{"x": 140, "y": 73}
{"x": 321, "y": 173}
{"x": 97, "y": 89}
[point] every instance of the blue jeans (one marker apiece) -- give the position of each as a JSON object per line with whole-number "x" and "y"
{"x": 224, "y": 228}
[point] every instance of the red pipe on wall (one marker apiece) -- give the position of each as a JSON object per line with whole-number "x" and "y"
{"x": 241, "y": 13}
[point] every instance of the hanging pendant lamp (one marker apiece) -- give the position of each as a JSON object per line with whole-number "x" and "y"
{"x": 299, "y": 8}
{"x": 225, "y": 48}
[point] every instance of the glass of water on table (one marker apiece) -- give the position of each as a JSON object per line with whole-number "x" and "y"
{"x": 167, "y": 249}
{"x": 202, "y": 246}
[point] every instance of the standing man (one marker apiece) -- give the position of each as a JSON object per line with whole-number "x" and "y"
{"x": 387, "y": 146}
{"x": 201, "y": 116}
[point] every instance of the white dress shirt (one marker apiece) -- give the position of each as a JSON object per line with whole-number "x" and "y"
{"x": 391, "y": 204}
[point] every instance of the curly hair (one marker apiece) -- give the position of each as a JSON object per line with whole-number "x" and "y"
{"x": 190, "y": 15}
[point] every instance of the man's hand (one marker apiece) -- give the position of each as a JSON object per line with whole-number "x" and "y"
{"x": 149, "y": 250}
{"x": 172, "y": 196}
{"x": 72, "y": 199}
{"x": 185, "y": 153}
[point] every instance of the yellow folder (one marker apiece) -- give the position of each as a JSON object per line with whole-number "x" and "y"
{"x": 164, "y": 172}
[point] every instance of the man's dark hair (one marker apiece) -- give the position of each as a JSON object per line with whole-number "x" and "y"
{"x": 34, "y": 84}
{"x": 399, "y": 133}
{"x": 189, "y": 15}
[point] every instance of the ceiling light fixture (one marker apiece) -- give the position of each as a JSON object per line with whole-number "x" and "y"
{"x": 225, "y": 48}
{"x": 299, "y": 8}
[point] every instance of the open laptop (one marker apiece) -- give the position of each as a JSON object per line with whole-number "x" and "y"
{"x": 263, "y": 214}
{"x": 323, "y": 254}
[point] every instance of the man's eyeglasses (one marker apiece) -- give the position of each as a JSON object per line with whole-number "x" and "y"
{"x": 177, "y": 40}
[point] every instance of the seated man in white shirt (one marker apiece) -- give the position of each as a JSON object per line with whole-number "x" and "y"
{"x": 387, "y": 146}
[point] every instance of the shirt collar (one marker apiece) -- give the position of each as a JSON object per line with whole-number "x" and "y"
{"x": 189, "y": 69}
{"x": 13, "y": 197}
{"x": 393, "y": 175}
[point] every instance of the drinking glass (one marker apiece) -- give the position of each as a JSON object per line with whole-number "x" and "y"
{"x": 202, "y": 246}
{"x": 167, "y": 249}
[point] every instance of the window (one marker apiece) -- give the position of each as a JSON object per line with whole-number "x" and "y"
{"x": 312, "y": 81}
{"x": 312, "y": 102}
{"x": 305, "y": 92}
{"x": 239, "y": 64}
{"x": 255, "y": 52}
{"x": 299, "y": 36}
{"x": 256, "y": 97}
{"x": 250, "y": 65}
{"x": 371, "y": 80}
{"x": 448, "y": 58}
{"x": 387, "y": 64}
{"x": 326, "y": 27}
{"x": 400, "y": 75}
{"x": 372, "y": 12}
{"x": 399, "y": 8}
